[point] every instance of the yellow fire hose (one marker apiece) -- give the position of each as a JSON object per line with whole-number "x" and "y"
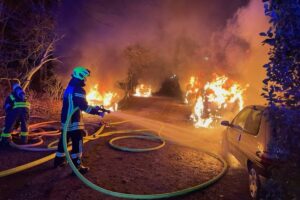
{"x": 135, "y": 196}
{"x": 51, "y": 147}
{"x": 26, "y": 166}
{"x": 97, "y": 135}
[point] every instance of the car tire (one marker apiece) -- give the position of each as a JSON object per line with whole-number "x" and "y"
{"x": 254, "y": 183}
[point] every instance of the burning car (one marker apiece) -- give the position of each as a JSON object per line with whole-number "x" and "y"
{"x": 218, "y": 98}
{"x": 192, "y": 90}
{"x": 107, "y": 99}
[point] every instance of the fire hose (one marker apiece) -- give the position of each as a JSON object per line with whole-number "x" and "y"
{"x": 39, "y": 136}
{"x": 51, "y": 147}
{"x": 136, "y": 196}
{"x": 97, "y": 135}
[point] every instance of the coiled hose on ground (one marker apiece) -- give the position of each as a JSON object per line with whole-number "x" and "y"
{"x": 99, "y": 134}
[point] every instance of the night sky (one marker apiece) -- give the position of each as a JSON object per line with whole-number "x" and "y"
{"x": 97, "y": 32}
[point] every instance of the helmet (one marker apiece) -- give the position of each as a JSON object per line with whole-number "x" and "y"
{"x": 16, "y": 86}
{"x": 80, "y": 73}
{"x": 17, "y": 90}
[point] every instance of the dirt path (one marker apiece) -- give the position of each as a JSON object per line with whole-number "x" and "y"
{"x": 171, "y": 168}
{"x": 170, "y": 118}
{"x": 208, "y": 139}
{"x": 176, "y": 166}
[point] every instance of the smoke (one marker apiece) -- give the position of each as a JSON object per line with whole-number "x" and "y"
{"x": 239, "y": 51}
{"x": 182, "y": 37}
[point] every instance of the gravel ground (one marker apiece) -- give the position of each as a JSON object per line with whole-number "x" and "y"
{"x": 170, "y": 168}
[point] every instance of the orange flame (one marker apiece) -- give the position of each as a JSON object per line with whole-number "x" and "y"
{"x": 94, "y": 97}
{"x": 143, "y": 91}
{"x": 218, "y": 96}
{"x": 192, "y": 89}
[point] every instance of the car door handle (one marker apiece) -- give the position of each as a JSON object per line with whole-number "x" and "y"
{"x": 239, "y": 137}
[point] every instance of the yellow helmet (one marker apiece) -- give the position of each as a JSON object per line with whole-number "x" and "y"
{"x": 80, "y": 73}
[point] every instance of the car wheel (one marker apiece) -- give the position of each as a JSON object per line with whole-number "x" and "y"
{"x": 254, "y": 183}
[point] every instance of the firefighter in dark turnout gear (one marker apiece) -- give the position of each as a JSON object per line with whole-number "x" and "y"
{"x": 17, "y": 111}
{"x": 75, "y": 96}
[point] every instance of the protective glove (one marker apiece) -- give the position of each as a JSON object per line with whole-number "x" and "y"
{"x": 99, "y": 107}
{"x": 101, "y": 114}
{"x": 101, "y": 110}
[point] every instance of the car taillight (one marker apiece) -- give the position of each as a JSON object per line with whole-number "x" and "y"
{"x": 267, "y": 157}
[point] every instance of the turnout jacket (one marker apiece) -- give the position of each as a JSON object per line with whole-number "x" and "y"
{"x": 16, "y": 100}
{"x": 17, "y": 113}
{"x": 75, "y": 96}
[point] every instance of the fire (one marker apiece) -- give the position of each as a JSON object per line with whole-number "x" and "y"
{"x": 198, "y": 112}
{"x": 108, "y": 99}
{"x": 143, "y": 91}
{"x": 94, "y": 97}
{"x": 218, "y": 96}
{"x": 192, "y": 90}
{"x": 192, "y": 81}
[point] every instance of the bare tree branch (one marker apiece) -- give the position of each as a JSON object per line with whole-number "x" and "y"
{"x": 46, "y": 58}
{"x": 27, "y": 39}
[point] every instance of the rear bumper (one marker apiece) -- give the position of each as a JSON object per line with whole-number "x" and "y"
{"x": 265, "y": 167}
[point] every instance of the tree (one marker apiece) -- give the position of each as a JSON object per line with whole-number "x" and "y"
{"x": 27, "y": 37}
{"x": 282, "y": 91}
{"x": 170, "y": 87}
{"x": 138, "y": 58}
{"x": 282, "y": 85}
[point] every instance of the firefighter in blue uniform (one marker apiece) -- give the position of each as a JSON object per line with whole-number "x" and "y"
{"x": 17, "y": 111}
{"x": 75, "y": 96}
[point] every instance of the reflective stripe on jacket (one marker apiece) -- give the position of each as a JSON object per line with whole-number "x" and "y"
{"x": 75, "y": 96}
{"x": 13, "y": 101}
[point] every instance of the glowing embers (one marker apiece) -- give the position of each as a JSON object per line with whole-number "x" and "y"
{"x": 217, "y": 98}
{"x": 143, "y": 91}
{"x": 107, "y": 99}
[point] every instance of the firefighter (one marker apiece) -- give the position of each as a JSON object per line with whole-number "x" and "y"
{"x": 75, "y": 96}
{"x": 16, "y": 111}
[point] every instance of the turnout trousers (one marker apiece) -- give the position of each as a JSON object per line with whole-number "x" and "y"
{"x": 14, "y": 118}
{"x": 76, "y": 137}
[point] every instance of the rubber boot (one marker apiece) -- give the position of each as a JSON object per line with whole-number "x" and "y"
{"x": 59, "y": 162}
{"x": 24, "y": 139}
{"x": 78, "y": 164}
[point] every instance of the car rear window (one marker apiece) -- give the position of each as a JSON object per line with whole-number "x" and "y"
{"x": 253, "y": 122}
